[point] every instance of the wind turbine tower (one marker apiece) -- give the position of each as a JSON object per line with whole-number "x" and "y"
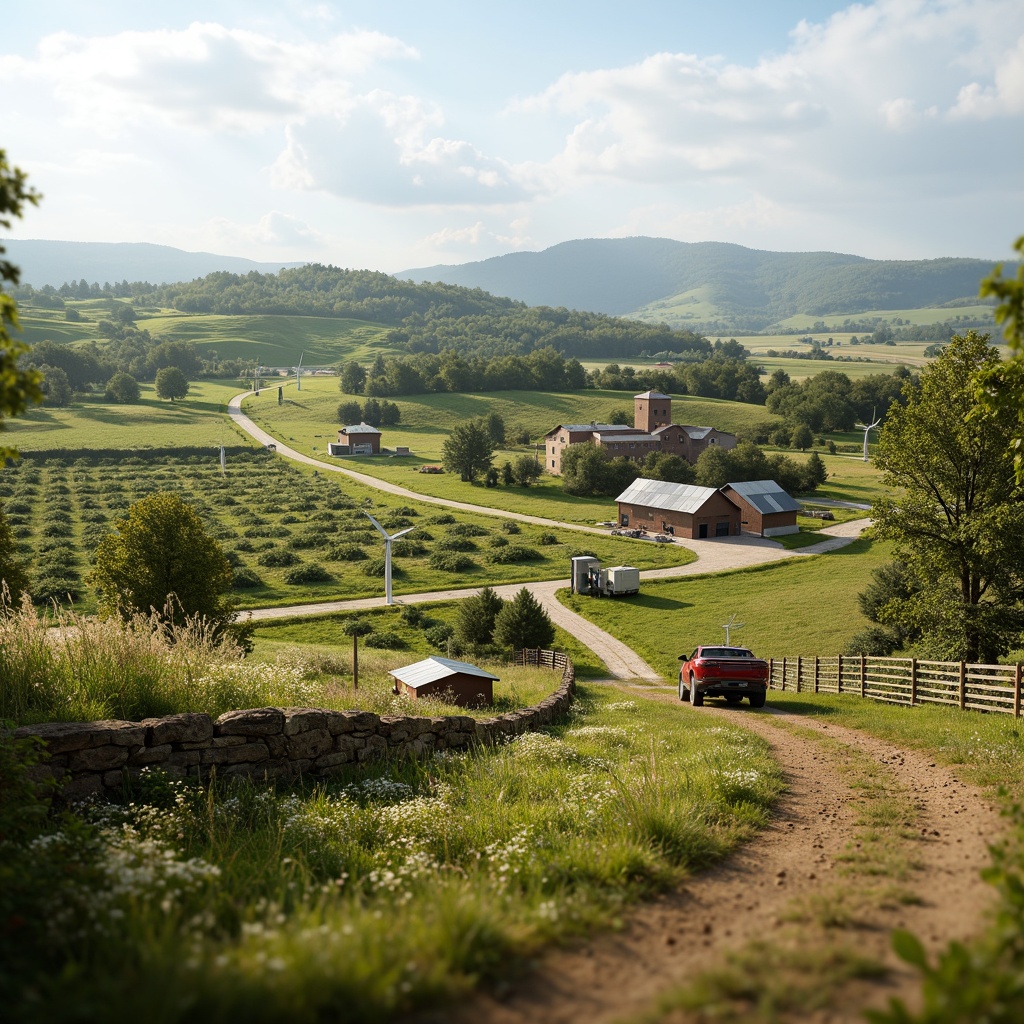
{"x": 867, "y": 428}
{"x": 731, "y": 624}
{"x": 298, "y": 374}
{"x": 388, "y": 538}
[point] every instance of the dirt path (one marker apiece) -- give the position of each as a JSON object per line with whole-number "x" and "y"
{"x": 793, "y": 863}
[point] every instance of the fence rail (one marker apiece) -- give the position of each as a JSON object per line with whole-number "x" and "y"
{"x": 540, "y": 659}
{"x": 909, "y": 681}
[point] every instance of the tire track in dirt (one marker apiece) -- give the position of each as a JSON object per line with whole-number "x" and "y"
{"x": 664, "y": 943}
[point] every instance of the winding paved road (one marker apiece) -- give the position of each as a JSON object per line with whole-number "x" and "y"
{"x": 712, "y": 556}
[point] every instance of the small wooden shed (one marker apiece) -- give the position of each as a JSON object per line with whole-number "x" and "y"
{"x": 456, "y": 681}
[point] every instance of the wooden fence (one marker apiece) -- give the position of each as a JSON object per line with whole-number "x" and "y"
{"x": 906, "y": 681}
{"x": 541, "y": 659}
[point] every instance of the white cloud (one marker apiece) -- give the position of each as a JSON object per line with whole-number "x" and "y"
{"x": 843, "y": 92}
{"x": 275, "y": 230}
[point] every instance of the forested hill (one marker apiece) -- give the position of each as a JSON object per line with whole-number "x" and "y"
{"x": 622, "y": 276}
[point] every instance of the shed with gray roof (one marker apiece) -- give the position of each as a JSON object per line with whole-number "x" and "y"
{"x": 457, "y": 682}
{"x": 767, "y": 509}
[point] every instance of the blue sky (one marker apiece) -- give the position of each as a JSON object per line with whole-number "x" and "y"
{"x": 398, "y": 134}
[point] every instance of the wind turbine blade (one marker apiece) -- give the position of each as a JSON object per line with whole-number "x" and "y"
{"x": 380, "y": 529}
{"x": 402, "y": 533}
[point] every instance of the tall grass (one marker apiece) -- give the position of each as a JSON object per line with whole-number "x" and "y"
{"x": 401, "y": 886}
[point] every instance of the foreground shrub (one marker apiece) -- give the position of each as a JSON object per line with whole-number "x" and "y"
{"x": 276, "y": 558}
{"x": 307, "y": 574}
{"x": 515, "y": 553}
{"x": 451, "y": 561}
{"x": 384, "y": 640}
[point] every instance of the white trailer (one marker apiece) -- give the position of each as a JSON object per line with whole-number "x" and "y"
{"x": 619, "y": 581}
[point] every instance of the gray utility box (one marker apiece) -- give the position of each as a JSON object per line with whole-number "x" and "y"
{"x": 582, "y": 568}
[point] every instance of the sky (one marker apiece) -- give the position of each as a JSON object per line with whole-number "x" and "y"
{"x": 404, "y": 133}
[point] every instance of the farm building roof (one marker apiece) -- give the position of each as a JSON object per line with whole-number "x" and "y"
{"x": 656, "y": 395}
{"x": 577, "y": 427}
{"x": 616, "y": 434}
{"x": 697, "y": 433}
{"x": 766, "y": 496}
{"x": 431, "y": 669}
{"x": 360, "y": 428}
{"x": 666, "y": 496}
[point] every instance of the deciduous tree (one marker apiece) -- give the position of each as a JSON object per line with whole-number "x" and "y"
{"x": 122, "y": 388}
{"x": 468, "y": 451}
{"x": 18, "y": 388}
{"x": 956, "y": 516}
{"x": 171, "y": 383}
{"x": 161, "y": 557}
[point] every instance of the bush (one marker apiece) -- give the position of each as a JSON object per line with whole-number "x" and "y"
{"x": 515, "y": 553}
{"x": 276, "y": 558}
{"x": 346, "y": 553}
{"x": 405, "y": 548}
{"x": 442, "y": 636}
{"x": 393, "y": 522}
{"x": 441, "y": 519}
{"x": 307, "y": 574}
{"x": 385, "y": 640}
{"x": 581, "y": 553}
{"x": 547, "y": 539}
{"x": 412, "y": 615}
{"x": 243, "y": 578}
{"x": 875, "y": 641}
{"x": 467, "y": 530}
{"x": 378, "y": 566}
{"x": 455, "y": 544}
{"x": 498, "y": 542}
{"x": 451, "y": 561}
{"x": 510, "y": 526}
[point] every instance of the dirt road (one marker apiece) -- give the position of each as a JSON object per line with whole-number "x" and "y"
{"x": 795, "y": 868}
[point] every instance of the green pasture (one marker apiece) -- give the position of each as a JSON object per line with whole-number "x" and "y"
{"x": 272, "y": 340}
{"x": 88, "y": 423}
{"x": 49, "y": 324}
{"x": 802, "y": 606}
{"x": 926, "y": 315}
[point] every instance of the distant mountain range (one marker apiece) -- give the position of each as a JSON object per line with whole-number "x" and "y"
{"x": 54, "y": 263}
{"x": 686, "y": 283}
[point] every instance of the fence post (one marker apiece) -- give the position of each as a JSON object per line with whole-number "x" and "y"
{"x": 963, "y": 686}
{"x": 783, "y": 673}
{"x": 815, "y": 673}
{"x": 799, "y": 669}
{"x": 1016, "y": 691}
{"x": 913, "y": 681}
{"x": 863, "y": 675}
{"x": 771, "y": 673}
{"x": 839, "y": 672}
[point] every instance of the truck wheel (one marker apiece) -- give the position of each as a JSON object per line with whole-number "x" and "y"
{"x": 757, "y": 700}
{"x": 696, "y": 697}
{"x": 684, "y": 694}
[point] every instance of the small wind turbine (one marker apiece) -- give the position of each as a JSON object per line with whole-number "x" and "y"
{"x": 298, "y": 373}
{"x": 867, "y": 428}
{"x": 731, "y": 624}
{"x": 388, "y": 538}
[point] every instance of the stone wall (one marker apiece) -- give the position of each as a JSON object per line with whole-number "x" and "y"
{"x": 266, "y": 743}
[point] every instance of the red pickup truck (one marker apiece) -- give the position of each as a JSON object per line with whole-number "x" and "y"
{"x": 729, "y": 672}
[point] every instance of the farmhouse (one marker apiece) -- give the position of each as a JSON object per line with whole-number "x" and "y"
{"x": 684, "y": 510}
{"x": 652, "y": 431}
{"x": 360, "y": 439}
{"x": 456, "y": 681}
{"x": 767, "y": 509}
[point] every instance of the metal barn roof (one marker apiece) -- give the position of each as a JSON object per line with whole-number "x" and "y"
{"x": 431, "y": 669}
{"x": 766, "y": 496}
{"x": 360, "y": 428}
{"x": 666, "y": 496}
{"x": 655, "y": 395}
